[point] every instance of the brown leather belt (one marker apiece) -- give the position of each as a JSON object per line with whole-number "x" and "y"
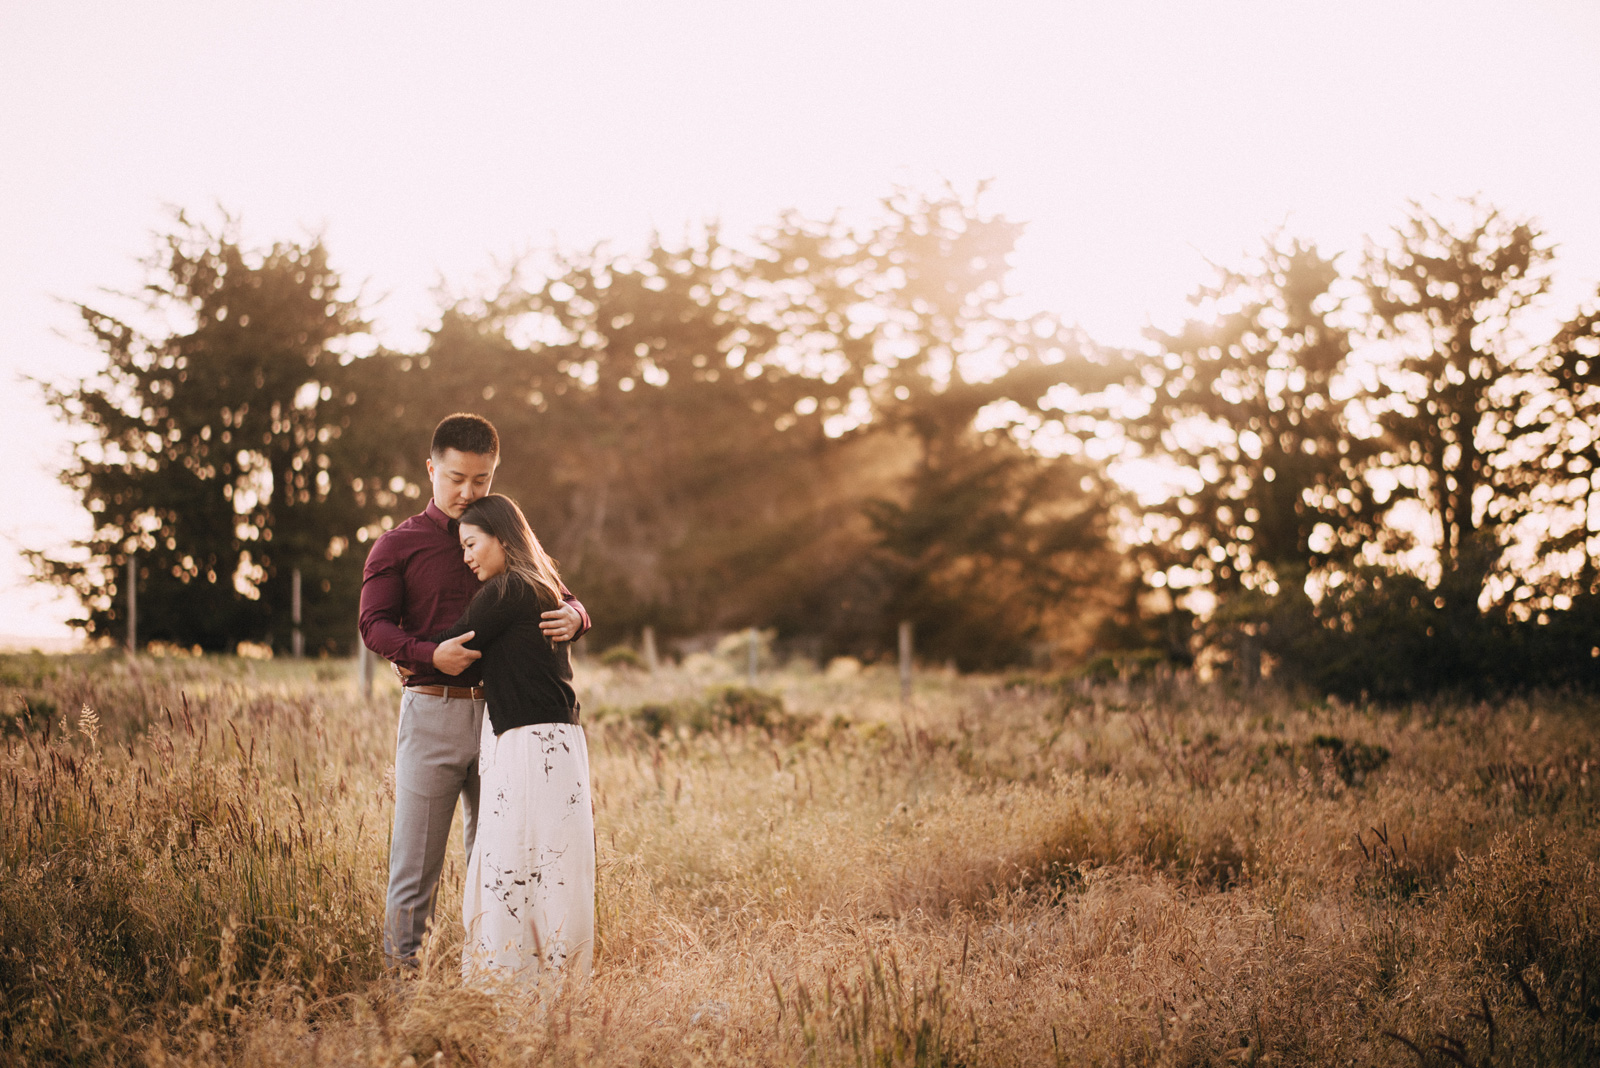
{"x": 474, "y": 692}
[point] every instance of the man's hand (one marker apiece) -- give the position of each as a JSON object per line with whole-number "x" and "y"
{"x": 561, "y": 624}
{"x": 453, "y": 657}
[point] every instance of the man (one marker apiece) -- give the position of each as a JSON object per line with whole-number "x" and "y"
{"x": 415, "y": 584}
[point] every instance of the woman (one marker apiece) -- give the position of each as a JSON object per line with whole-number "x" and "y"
{"x": 529, "y": 905}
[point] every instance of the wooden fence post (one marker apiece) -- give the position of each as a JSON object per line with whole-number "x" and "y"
{"x": 133, "y": 603}
{"x": 647, "y": 644}
{"x": 905, "y": 661}
{"x": 297, "y": 640}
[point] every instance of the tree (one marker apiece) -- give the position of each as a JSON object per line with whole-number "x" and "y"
{"x": 1447, "y": 294}
{"x": 213, "y": 451}
{"x": 829, "y": 431}
{"x": 670, "y": 460}
{"x": 995, "y": 549}
{"x": 1558, "y": 478}
{"x": 697, "y": 431}
{"x": 1248, "y": 401}
{"x": 1258, "y": 402}
{"x": 1468, "y": 414}
{"x": 996, "y": 554}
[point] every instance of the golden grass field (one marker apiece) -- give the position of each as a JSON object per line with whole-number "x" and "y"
{"x": 1008, "y": 872}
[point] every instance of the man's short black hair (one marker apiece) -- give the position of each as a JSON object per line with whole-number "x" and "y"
{"x": 465, "y": 432}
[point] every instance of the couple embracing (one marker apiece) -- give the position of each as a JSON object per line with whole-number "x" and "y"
{"x": 469, "y": 607}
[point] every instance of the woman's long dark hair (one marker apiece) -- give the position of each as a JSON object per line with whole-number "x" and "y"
{"x": 498, "y": 516}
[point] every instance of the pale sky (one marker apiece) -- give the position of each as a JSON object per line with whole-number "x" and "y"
{"x": 426, "y": 141}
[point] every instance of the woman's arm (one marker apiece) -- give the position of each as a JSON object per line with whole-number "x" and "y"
{"x": 490, "y": 614}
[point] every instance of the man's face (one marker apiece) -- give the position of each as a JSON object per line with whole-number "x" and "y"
{"x": 459, "y": 478}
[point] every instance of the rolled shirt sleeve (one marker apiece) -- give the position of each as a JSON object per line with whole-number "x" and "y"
{"x": 583, "y": 613}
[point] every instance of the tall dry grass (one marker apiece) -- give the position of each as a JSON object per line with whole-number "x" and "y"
{"x": 1008, "y": 872}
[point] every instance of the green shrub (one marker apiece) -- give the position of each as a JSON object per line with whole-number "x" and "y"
{"x": 622, "y": 656}
{"x": 654, "y": 718}
{"x": 1353, "y": 760}
{"x": 1128, "y": 666}
{"x": 724, "y": 708}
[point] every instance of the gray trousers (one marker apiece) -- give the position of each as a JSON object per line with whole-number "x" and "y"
{"x": 435, "y": 761}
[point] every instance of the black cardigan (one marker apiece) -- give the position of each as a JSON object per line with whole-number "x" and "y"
{"x": 527, "y": 680}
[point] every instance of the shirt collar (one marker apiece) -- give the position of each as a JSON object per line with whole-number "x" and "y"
{"x": 437, "y": 517}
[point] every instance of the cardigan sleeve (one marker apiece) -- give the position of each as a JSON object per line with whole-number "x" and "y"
{"x": 490, "y": 614}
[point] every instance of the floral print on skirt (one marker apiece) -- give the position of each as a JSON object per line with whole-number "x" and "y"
{"x": 529, "y": 905}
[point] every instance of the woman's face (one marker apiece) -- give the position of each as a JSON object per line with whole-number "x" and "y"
{"x": 482, "y": 551}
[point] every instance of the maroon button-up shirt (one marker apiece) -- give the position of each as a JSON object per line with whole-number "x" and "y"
{"x": 415, "y": 584}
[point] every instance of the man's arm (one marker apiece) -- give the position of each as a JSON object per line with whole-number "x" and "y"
{"x": 567, "y": 623}
{"x": 383, "y": 595}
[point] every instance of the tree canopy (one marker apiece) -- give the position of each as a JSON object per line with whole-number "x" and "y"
{"x": 1374, "y": 457}
{"x": 706, "y": 436}
{"x": 213, "y": 450}
{"x": 1386, "y": 477}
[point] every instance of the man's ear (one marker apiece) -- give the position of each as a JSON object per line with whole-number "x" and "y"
{"x": 430, "y": 468}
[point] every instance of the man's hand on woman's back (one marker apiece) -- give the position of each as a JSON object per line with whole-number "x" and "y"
{"x": 561, "y": 624}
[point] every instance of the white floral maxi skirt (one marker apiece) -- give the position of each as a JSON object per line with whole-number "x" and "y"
{"x": 529, "y": 905}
